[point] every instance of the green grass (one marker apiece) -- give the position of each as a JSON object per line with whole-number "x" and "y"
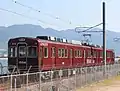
{"x": 94, "y": 86}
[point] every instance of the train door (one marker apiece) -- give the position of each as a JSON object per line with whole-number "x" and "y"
{"x": 53, "y": 56}
{"x": 84, "y": 53}
{"x": 41, "y": 57}
{"x": 71, "y": 57}
{"x": 22, "y": 56}
{"x": 94, "y": 56}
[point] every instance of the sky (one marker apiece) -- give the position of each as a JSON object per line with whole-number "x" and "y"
{"x": 70, "y": 13}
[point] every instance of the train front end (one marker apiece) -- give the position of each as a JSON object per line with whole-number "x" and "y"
{"x": 22, "y": 54}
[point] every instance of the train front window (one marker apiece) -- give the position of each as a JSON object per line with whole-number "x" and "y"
{"x": 12, "y": 52}
{"x": 22, "y": 51}
{"x": 32, "y": 52}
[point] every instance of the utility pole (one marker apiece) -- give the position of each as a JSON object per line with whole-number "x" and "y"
{"x": 104, "y": 38}
{"x": 104, "y": 35}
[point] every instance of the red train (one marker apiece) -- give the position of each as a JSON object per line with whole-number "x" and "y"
{"x": 46, "y": 53}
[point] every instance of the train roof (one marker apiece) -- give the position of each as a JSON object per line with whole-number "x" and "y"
{"x": 57, "y": 42}
{"x": 70, "y": 44}
{"x": 22, "y": 38}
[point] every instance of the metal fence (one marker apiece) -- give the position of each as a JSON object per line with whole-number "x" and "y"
{"x": 36, "y": 81}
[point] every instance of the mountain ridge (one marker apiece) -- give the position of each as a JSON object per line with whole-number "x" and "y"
{"x": 29, "y": 30}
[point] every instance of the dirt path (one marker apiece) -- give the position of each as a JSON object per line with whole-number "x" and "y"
{"x": 106, "y": 85}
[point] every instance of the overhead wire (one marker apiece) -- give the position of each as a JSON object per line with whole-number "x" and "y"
{"x": 39, "y": 11}
{"x": 50, "y": 15}
{"x": 47, "y": 14}
{"x": 88, "y": 28}
{"x": 92, "y": 27}
{"x": 22, "y": 15}
{"x": 26, "y": 6}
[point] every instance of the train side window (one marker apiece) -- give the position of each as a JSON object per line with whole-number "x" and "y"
{"x": 53, "y": 52}
{"x": 63, "y": 52}
{"x": 108, "y": 54}
{"x": 70, "y": 53}
{"x": 80, "y": 53}
{"x": 101, "y": 54}
{"x": 84, "y": 53}
{"x": 89, "y": 53}
{"x": 111, "y": 55}
{"x": 45, "y": 52}
{"x": 12, "y": 52}
{"x": 75, "y": 53}
{"x": 94, "y": 53}
{"x": 59, "y": 53}
{"x": 66, "y": 53}
{"x": 32, "y": 51}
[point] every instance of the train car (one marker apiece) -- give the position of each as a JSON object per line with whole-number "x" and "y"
{"x": 46, "y": 53}
{"x": 22, "y": 53}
